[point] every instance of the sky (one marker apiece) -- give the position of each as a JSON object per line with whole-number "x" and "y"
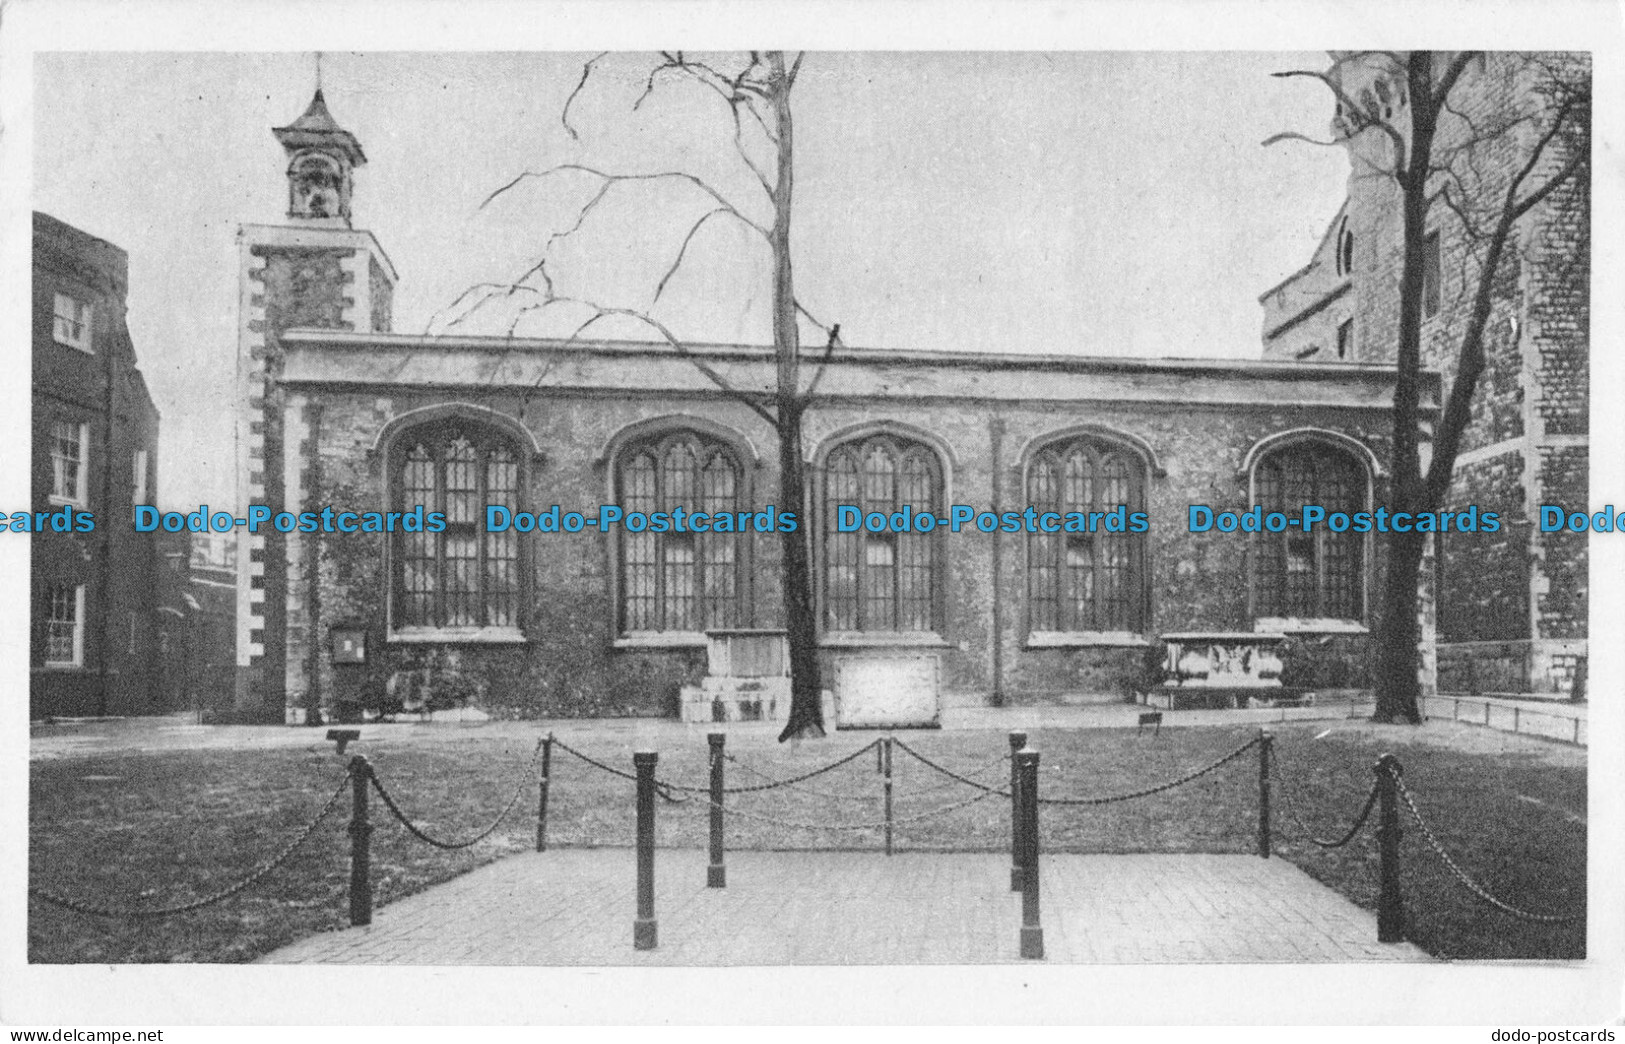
{"x": 1091, "y": 203}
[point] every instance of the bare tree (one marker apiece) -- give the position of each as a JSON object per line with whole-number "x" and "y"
{"x": 757, "y": 98}
{"x": 1454, "y": 156}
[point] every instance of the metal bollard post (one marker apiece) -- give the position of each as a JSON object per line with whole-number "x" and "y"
{"x": 1455, "y": 709}
{"x": 716, "y": 875}
{"x": 1515, "y": 710}
{"x": 1265, "y": 741}
{"x": 1390, "y": 903}
{"x": 645, "y": 929}
{"x": 886, "y": 754}
{"x": 1017, "y": 741}
{"x": 541, "y": 796}
{"x": 360, "y": 842}
{"x": 1032, "y": 934}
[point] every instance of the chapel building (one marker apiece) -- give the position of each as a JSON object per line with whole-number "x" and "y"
{"x": 336, "y": 409}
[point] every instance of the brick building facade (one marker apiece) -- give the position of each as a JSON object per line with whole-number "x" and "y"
{"x": 337, "y": 410}
{"x": 93, "y": 647}
{"x": 1511, "y": 606}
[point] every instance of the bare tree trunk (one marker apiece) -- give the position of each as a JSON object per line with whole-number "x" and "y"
{"x": 806, "y": 716}
{"x": 1428, "y": 87}
{"x": 1397, "y": 634}
{"x": 801, "y": 622}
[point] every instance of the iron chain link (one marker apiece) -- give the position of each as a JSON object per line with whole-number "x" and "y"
{"x": 1109, "y": 799}
{"x": 93, "y": 910}
{"x": 877, "y": 824}
{"x": 421, "y": 835}
{"x": 1461, "y": 875}
{"x": 1308, "y": 834}
{"x": 661, "y": 788}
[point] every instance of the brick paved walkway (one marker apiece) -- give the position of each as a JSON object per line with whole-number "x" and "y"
{"x": 575, "y": 907}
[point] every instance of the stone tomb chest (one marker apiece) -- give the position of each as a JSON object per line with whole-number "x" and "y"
{"x": 1222, "y": 669}
{"x": 887, "y": 690}
{"x": 747, "y": 679}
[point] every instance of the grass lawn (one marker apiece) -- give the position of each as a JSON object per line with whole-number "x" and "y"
{"x": 163, "y": 827}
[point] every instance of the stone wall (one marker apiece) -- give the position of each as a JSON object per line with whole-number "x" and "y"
{"x": 573, "y": 660}
{"x": 304, "y": 277}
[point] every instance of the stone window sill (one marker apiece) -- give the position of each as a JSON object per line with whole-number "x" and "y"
{"x": 1319, "y": 625}
{"x": 457, "y": 636}
{"x": 883, "y": 640}
{"x": 1086, "y": 639}
{"x": 662, "y": 640}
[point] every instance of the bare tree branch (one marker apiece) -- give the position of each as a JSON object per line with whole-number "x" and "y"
{"x": 1365, "y": 118}
{"x": 1459, "y": 208}
{"x": 811, "y": 318}
{"x": 1295, "y": 136}
{"x": 649, "y": 87}
{"x": 564, "y": 115}
{"x": 615, "y": 179}
{"x": 550, "y": 298}
{"x": 823, "y": 364}
{"x": 487, "y": 291}
{"x": 733, "y": 92}
{"x": 1457, "y": 411}
{"x": 739, "y": 142}
{"x": 1452, "y": 73}
{"x": 1535, "y": 156}
{"x": 605, "y": 312}
{"x": 683, "y": 250}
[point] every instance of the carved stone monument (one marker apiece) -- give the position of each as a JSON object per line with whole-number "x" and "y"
{"x": 747, "y": 679}
{"x": 1222, "y": 669}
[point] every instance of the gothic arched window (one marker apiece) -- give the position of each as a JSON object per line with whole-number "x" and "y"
{"x": 1082, "y": 580}
{"x": 680, "y": 581}
{"x": 881, "y": 581}
{"x": 462, "y": 577}
{"x": 1312, "y": 575}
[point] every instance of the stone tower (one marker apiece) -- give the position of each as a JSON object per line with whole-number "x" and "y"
{"x": 1512, "y": 606}
{"x": 313, "y": 270}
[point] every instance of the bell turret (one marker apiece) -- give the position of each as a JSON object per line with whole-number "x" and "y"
{"x": 322, "y": 157}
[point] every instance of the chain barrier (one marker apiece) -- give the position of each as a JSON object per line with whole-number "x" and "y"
{"x": 661, "y": 788}
{"x": 950, "y": 773}
{"x": 878, "y": 824}
{"x": 421, "y": 835}
{"x": 1461, "y": 875}
{"x": 826, "y": 795}
{"x": 809, "y": 791}
{"x": 1309, "y": 834}
{"x": 1000, "y": 766}
{"x": 1106, "y": 800}
{"x": 1160, "y": 787}
{"x": 78, "y": 906}
{"x": 777, "y": 783}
